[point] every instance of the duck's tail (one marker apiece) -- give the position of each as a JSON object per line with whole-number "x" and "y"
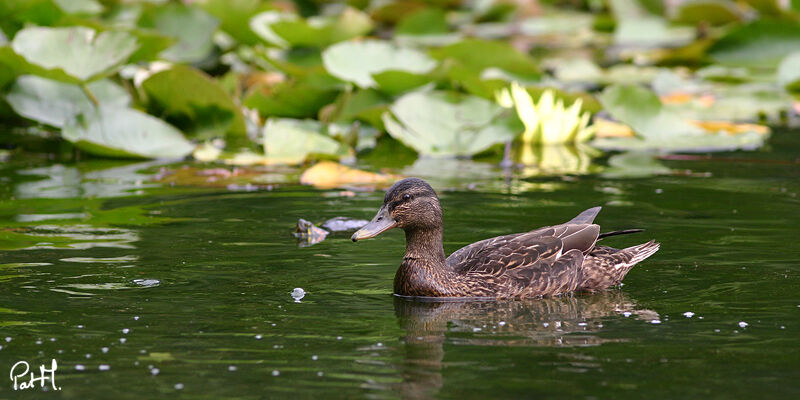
{"x": 605, "y": 266}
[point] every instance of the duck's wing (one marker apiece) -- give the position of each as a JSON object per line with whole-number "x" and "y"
{"x": 546, "y": 259}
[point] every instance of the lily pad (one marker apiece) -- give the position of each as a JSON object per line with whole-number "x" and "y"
{"x": 449, "y": 123}
{"x": 191, "y": 26}
{"x": 789, "y": 73}
{"x": 286, "y": 29}
{"x": 194, "y": 101}
{"x": 127, "y": 133}
{"x": 291, "y": 141}
{"x": 327, "y": 175}
{"x": 357, "y": 62}
{"x": 714, "y": 12}
{"x": 55, "y": 103}
{"x": 478, "y": 55}
{"x": 758, "y": 44}
{"x": 81, "y": 53}
{"x": 295, "y": 99}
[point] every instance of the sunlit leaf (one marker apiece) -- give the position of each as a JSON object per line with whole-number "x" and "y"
{"x": 124, "y": 132}
{"x": 291, "y": 141}
{"x": 713, "y": 12}
{"x": 194, "y": 101}
{"x": 233, "y": 16}
{"x": 286, "y": 29}
{"x": 448, "y": 123}
{"x": 86, "y": 7}
{"x": 55, "y": 103}
{"x": 295, "y": 99}
{"x": 789, "y": 73}
{"x": 358, "y": 61}
{"x": 80, "y": 52}
{"x": 479, "y": 55}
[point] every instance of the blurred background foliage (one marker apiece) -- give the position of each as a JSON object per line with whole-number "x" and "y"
{"x": 252, "y": 82}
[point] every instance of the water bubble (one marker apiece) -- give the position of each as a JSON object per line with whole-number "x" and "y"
{"x": 743, "y": 324}
{"x": 80, "y": 326}
{"x": 232, "y": 368}
{"x": 545, "y": 324}
{"x": 8, "y": 338}
{"x": 125, "y": 331}
{"x": 688, "y": 314}
{"x": 104, "y": 367}
{"x": 38, "y": 341}
{"x": 258, "y": 337}
{"x": 52, "y": 339}
{"x": 123, "y": 340}
{"x": 655, "y": 322}
{"x": 319, "y": 373}
{"x": 135, "y": 317}
{"x": 501, "y": 323}
{"x": 80, "y": 367}
{"x": 88, "y": 355}
{"x": 314, "y": 357}
{"x": 276, "y": 372}
{"x": 627, "y": 314}
{"x": 178, "y": 386}
{"x": 582, "y": 324}
{"x": 297, "y": 294}
{"x": 338, "y": 338}
{"x": 155, "y": 371}
{"x": 104, "y": 349}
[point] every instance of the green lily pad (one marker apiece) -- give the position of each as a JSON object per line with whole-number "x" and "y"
{"x": 395, "y": 82}
{"x": 55, "y": 103}
{"x": 789, "y": 73}
{"x": 194, "y": 101}
{"x": 478, "y": 55}
{"x": 357, "y": 62}
{"x": 449, "y": 123}
{"x": 760, "y": 44}
{"x": 294, "y": 99}
{"x": 232, "y": 14}
{"x": 634, "y": 165}
{"x": 126, "y": 133}
{"x": 81, "y": 53}
{"x": 643, "y": 112}
{"x": 82, "y": 7}
{"x": 285, "y": 29}
{"x": 292, "y": 141}
{"x": 192, "y": 27}
{"x": 714, "y": 12}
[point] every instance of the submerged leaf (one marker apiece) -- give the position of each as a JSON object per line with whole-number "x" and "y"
{"x": 448, "y": 123}
{"x": 327, "y": 175}
{"x": 80, "y": 52}
{"x": 128, "y": 133}
{"x": 357, "y": 62}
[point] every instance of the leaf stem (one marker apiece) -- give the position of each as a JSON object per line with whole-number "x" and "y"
{"x": 90, "y": 95}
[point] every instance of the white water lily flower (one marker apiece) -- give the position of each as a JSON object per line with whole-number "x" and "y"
{"x": 549, "y": 121}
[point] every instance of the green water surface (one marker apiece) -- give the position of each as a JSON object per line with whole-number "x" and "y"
{"x": 141, "y": 291}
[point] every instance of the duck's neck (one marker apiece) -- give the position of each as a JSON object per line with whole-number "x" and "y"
{"x": 425, "y": 245}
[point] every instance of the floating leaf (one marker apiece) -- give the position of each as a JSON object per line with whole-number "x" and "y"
{"x": 231, "y": 14}
{"x": 789, "y": 73}
{"x": 758, "y": 44}
{"x": 327, "y": 175}
{"x": 448, "y": 123}
{"x": 479, "y": 55}
{"x": 395, "y": 82}
{"x": 713, "y": 12}
{"x": 358, "y": 61}
{"x": 291, "y": 141}
{"x": 55, "y": 103}
{"x": 81, "y": 53}
{"x": 295, "y": 99}
{"x": 285, "y": 29}
{"x": 124, "y": 132}
{"x": 634, "y": 165}
{"x": 191, "y": 26}
{"x": 194, "y": 101}
{"x": 84, "y": 7}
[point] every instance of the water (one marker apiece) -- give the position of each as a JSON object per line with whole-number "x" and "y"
{"x": 142, "y": 291}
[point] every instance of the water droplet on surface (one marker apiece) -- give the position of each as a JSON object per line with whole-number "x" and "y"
{"x": 123, "y": 340}
{"x": 743, "y": 324}
{"x": 155, "y": 371}
{"x": 688, "y": 314}
{"x": 104, "y": 349}
{"x": 125, "y": 330}
{"x": 135, "y": 317}
{"x": 8, "y": 338}
{"x": 655, "y": 322}
{"x": 276, "y": 372}
{"x": 88, "y": 355}
{"x": 258, "y": 337}
{"x": 178, "y": 386}
{"x": 319, "y": 373}
{"x": 232, "y": 368}
{"x": 104, "y": 367}
{"x": 627, "y": 314}
{"x": 314, "y": 357}
{"x": 297, "y": 294}
{"x": 80, "y": 367}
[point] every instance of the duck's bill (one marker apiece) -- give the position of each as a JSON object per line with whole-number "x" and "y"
{"x": 381, "y": 223}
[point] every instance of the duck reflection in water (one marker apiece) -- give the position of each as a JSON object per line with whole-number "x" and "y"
{"x": 547, "y": 322}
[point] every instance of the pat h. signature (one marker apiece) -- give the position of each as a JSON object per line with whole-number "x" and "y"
{"x": 24, "y": 378}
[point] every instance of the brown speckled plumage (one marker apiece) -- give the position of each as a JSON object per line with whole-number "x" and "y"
{"x": 543, "y": 262}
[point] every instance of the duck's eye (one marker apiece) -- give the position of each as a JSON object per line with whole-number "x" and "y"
{"x": 406, "y": 196}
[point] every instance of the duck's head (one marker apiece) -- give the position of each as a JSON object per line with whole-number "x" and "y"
{"x": 410, "y": 204}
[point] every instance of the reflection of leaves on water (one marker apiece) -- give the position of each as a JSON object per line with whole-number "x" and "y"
{"x": 77, "y": 237}
{"x": 60, "y": 182}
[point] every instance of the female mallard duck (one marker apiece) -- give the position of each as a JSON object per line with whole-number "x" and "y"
{"x": 543, "y": 262}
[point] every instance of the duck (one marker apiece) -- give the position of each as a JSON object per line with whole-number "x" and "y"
{"x": 544, "y": 262}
